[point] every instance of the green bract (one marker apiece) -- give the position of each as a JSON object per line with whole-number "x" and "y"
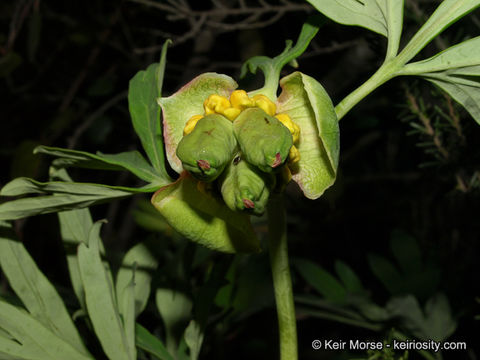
{"x": 204, "y": 218}
{"x": 223, "y": 224}
{"x": 208, "y": 148}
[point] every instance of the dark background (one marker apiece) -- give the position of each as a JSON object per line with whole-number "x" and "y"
{"x": 64, "y": 72}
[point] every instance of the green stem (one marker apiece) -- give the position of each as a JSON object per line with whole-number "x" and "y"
{"x": 282, "y": 283}
{"x": 387, "y": 71}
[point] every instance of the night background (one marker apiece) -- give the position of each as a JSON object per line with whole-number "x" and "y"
{"x": 403, "y": 213}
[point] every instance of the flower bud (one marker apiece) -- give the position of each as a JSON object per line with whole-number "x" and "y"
{"x": 263, "y": 140}
{"x": 244, "y": 187}
{"x": 208, "y": 148}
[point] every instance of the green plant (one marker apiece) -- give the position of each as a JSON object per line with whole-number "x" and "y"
{"x": 198, "y": 212}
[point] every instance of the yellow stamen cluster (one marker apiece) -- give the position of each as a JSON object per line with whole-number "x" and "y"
{"x": 239, "y": 101}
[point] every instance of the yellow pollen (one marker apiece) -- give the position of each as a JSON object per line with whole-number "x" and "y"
{"x": 231, "y": 113}
{"x": 290, "y": 125}
{"x": 190, "y": 125}
{"x": 265, "y": 104}
{"x": 215, "y": 104}
{"x": 240, "y": 100}
{"x": 293, "y": 155}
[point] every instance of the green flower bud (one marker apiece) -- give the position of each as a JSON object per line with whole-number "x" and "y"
{"x": 264, "y": 140}
{"x": 208, "y": 148}
{"x": 244, "y": 187}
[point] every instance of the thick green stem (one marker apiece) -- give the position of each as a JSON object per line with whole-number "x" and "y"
{"x": 387, "y": 71}
{"x": 282, "y": 282}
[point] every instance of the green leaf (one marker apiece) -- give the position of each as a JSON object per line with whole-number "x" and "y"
{"x": 381, "y": 16}
{"x": 407, "y": 253}
{"x": 455, "y": 70}
{"x": 131, "y": 161}
{"x": 203, "y": 218}
{"x": 74, "y": 228}
{"x": 309, "y": 106}
{"x": 321, "y": 280}
{"x": 407, "y": 312}
{"x": 126, "y": 306}
{"x": 386, "y": 273}
{"x": 32, "y": 340}
{"x": 67, "y": 196}
{"x": 144, "y": 89}
{"x": 194, "y": 339}
{"x": 100, "y": 299}
{"x": 22, "y": 186}
{"x": 33, "y": 288}
{"x": 140, "y": 260}
{"x": 271, "y": 67}
{"x": 349, "y": 279}
{"x": 175, "y": 309}
{"x": 447, "y": 13}
{"x": 439, "y": 323}
{"x": 146, "y": 341}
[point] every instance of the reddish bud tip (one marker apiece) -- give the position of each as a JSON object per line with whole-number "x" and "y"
{"x": 278, "y": 160}
{"x": 249, "y": 204}
{"x": 203, "y": 164}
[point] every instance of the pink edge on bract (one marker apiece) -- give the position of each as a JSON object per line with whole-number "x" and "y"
{"x": 249, "y": 204}
{"x": 203, "y": 164}
{"x": 278, "y": 160}
{"x": 179, "y": 107}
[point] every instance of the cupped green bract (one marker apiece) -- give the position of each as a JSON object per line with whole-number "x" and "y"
{"x": 309, "y": 106}
{"x": 204, "y": 218}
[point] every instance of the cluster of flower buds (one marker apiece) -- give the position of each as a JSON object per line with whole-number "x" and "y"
{"x": 243, "y": 144}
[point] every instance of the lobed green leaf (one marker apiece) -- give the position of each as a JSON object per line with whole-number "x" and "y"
{"x": 140, "y": 260}
{"x": 455, "y": 70}
{"x": 100, "y": 299}
{"x": 34, "y": 290}
{"x": 146, "y": 341}
{"x": 30, "y": 339}
{"x": 321, "y": 280}
{"x": 131, "y": 161}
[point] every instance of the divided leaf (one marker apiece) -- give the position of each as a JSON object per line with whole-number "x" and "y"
{"x": 271, "y": 67}
{"x": 381, "y": 16}
{"x": 35, "y": 291}
{"x": 131, "y": 161}
{"x": 455, "y": 70}
{"x": 67, "y": 196}
{"x": 321, "y": 280}
{"x": 150, "y": 343}
{"x": 100, "y": 300}
{"x": 140, "y": 260}
{"x": 30, "y": 339}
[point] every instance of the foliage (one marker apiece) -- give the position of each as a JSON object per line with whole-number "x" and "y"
{"x": 195, "y": 292}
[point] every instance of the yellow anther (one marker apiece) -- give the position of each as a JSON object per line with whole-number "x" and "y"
{"x": 293, "y": 155}
{"x": 265, "y": 104}
{"x": 215, "y": 104}
{"x": 290, "y": 125}
{"x": 190, "y": 125}
{"x": 240, "y": 100}
{"x": 231, "y": 113}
